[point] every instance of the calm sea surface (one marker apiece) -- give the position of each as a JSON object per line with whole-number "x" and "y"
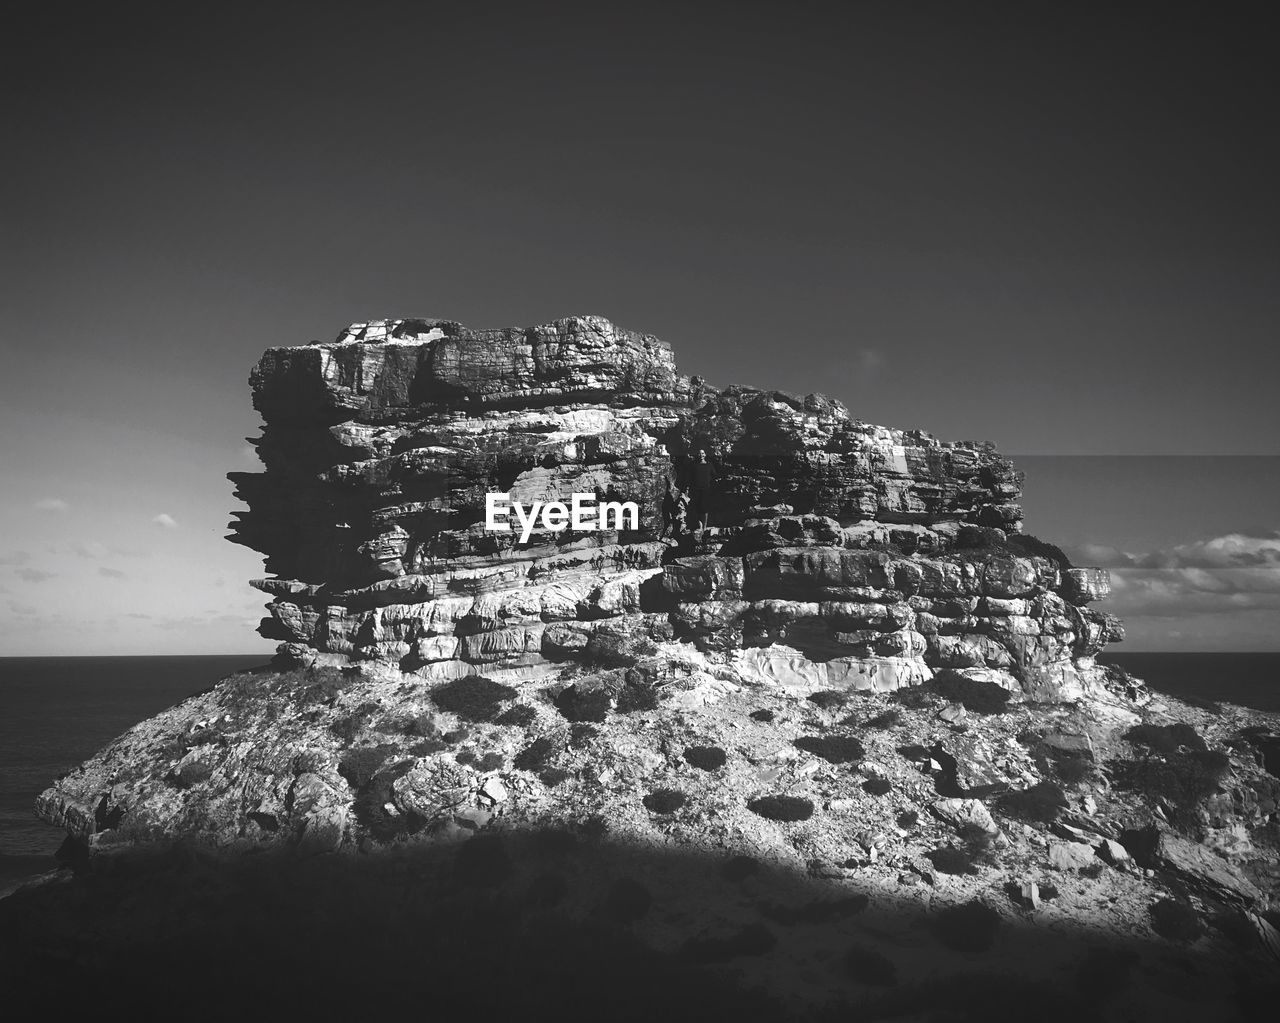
{"x": 57, "y": 711}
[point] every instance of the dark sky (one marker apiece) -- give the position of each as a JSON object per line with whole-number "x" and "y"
{"x": 1049, "y": 227}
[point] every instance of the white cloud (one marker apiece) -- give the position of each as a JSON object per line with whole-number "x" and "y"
{"x": 33, "y": 575}
{"x": 1222, "y": 575}
{"x": 1231, "y": 550}
{"x": 15, "y": 558}
{"x": 51, "y": 504}
{"x": 166, "y": 520}
{"x": 110, "y": 573}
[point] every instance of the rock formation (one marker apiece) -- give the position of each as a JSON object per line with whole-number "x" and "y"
{"x": 849, "y": 740}
{"x": 838, "y": 554}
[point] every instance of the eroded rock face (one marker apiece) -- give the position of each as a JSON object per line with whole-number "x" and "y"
{"x": 838, "y": 554}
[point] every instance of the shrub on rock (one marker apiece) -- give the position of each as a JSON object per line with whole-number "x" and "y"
{"x": 835, "y": 749}
{"x": 665, "y": 801}
{"x": 706, "y": 758}
{"x": 473, "y": 698}
{"x": 782, "y": 808}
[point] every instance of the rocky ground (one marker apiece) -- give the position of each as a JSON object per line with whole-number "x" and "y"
{"x": 944, "y": 851}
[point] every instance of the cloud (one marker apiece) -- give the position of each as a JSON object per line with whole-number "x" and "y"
{"x": 15, "y": 558}
{"x": 51, "y": 504}
{"x": 166, "y": 520}
{"x": 110, "y": 573}
{"x": 33, "y": 575}
{"x": 1231, "y": 550}
{"x": 1172, "y": 593}
{"x": 1222, "y": 575}
{"x": 22, "y": 609}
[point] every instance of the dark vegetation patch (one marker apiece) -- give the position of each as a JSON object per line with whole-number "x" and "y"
{"x": 763, "y": 716}
{"x": 639, "y": 692}
{"x": 916, "y": 697}
{"x": 1180, "y": 780}
{"x": 706, "y": 758}
{"x": 968, "y": 928}
{"x": 427, "y": 747}
{"x": 820, "y": 911}
{"x": 980, "y": 845}
{"x": 1041, "y": 803}
{"x": 553, "y": 776}
{"x": 581, "y": 734}
{"x": 538, "y": 754}
{"x": 782, "y": 808}
{"x": 519, "y": 716}
{"x": 578, "y": 704}
{"x": 1069, "y": 767}
{"x": 266, "y": 821}
{"x": 347, "y": 726}
{"x": 457, "y": 735}
{"x": 665, "y": 801}
{"x": 876, "y": 786}
{"x": 1175, "y": 920}
{"x": 426, "y": 725}
{"x": 359, "y": 764}
{"x": 908, "y": 819}
{"x": 890, "y": 718}
{"x": 1031, "y": 546}
{"x": 948, "y": 859}
{"x": 324, "y": 684}
{"x": 473, "y": 698}
{"x": 974, "y": 694}
{"x": 466, "y": 757}
{"x": 190, "y": 773}
{"x": 829, "y": 699}
{"x": 491, "y": 762}
{"x": 868, "y": 966}
{"x": 1166, "y": 739}
{"x": 835, "y": 749}
{"x": 752, "y": 940}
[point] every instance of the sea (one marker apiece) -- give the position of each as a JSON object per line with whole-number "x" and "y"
{"x": 57, "y": 711}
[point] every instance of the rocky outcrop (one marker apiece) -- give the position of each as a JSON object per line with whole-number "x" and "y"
{"x": 837, "y": 554}
{"x": 860, "y": 692}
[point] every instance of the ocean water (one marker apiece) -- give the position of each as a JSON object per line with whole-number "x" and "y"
{"x": 57, "y": 711}
{"x": 1249, "y": 679}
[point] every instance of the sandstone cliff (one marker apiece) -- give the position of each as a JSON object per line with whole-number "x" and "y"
{"x": 839, "y": 554}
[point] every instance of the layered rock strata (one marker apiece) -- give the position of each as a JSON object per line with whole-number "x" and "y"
{"x": 837, "y": 554}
